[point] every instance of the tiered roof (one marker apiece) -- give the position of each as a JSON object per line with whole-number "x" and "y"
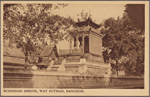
{"x": 88, "y": 22}
{"x": 88, "y": 25}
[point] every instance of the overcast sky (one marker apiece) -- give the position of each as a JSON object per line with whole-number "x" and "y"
{"x": 99, "y": 13}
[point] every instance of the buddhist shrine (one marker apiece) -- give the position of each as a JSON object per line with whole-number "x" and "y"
{"x": 85, "y": 49}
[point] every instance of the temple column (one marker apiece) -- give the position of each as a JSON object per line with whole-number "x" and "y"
{"x": 77, "y": 44}
{"x": 83, "y": 42}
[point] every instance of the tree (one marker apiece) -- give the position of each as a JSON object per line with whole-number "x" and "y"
{"x": 27, "y": 25}
{"x": 135, "y": 18}
{"x": 124, "y": 42}
{"x": 114, "y": 39}
{"x": 134, "y": 63}
{"x": 136, "y": 13}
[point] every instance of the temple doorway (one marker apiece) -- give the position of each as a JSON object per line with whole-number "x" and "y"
{"x": 86, "y": 44}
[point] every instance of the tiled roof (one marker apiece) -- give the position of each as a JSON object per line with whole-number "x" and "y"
{"x": 47, "y": 51}
{"x": 88, "y": 22}
{"x": 13, "y": 60}
{"x": 13, "y": 52}
{"x": 15, "y": 55}
{"x": 45, "y": 61}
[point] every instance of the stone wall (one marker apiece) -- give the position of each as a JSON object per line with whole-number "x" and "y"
{"x": 96, "y": 71}
{"x": 93, "y": 58}
{"x": 95, "y": 44}
{"x": 87, "y": 70}
{"x": 73, "y": 58}
{"x": 73, "y": 69}
{"x": 69, "y": 81}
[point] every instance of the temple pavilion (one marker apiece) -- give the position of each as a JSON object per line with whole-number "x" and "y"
{"x": 85, "y": 53}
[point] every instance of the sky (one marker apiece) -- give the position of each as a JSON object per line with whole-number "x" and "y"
{"x": 99, "y": 12}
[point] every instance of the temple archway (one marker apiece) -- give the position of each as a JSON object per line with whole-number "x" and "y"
{"x": 86, "y": 44}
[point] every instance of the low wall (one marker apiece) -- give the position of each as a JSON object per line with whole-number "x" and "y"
{"x": 87, "y": 70}
{"x": 42, "y": 79}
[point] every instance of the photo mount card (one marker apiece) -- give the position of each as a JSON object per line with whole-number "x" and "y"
{"x": 75, "y": 48}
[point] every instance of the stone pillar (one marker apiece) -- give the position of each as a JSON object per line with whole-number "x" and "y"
{"x": 83, "y": 42}
{"x": 70, "y": 44}
{"x": 77, "y": 42}
{"x": 109, "y": 70}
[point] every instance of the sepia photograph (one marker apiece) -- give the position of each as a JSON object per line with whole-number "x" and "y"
{"x": 74, "y": 48}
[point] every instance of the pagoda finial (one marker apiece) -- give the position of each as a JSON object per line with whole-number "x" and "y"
{"x": 89, "y": 14}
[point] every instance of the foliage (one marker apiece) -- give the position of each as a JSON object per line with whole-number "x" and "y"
{"x": 28, "y": 26}
{"x": 33, "y": 23}
{"x": 124, "y": 42}
{"x": 125, "y": 38}
{"x": 136, "y": 12}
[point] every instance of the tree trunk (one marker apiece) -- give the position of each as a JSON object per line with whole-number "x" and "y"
{"x": 117, "y": 66}
{"x": 70, "y": 44}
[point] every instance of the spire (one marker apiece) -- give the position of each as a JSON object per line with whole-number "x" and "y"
{"x": 90, "y": 14}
